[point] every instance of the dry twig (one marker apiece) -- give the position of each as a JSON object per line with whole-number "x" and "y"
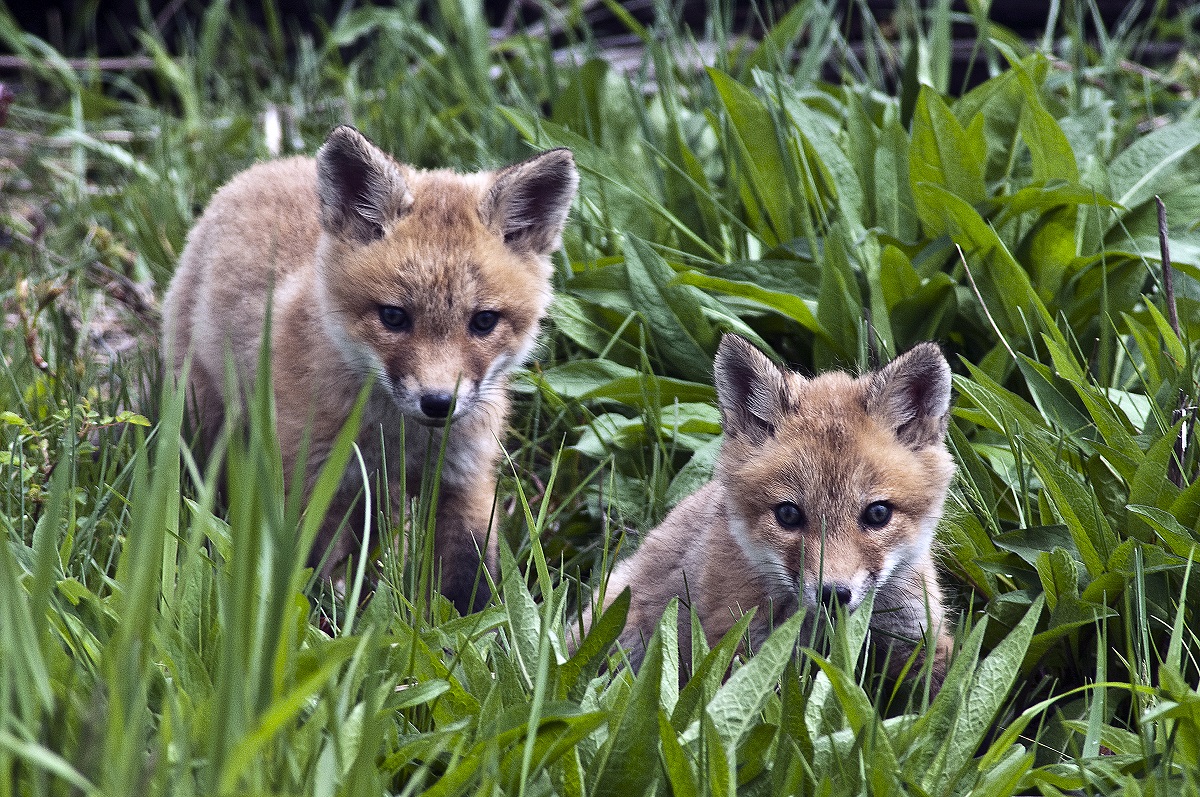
{"x": 1182, "y": 411}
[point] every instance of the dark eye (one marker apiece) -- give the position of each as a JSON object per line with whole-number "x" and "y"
{"x": 877, "y": 514}
{"x": 394, "y": 318}
{"x": 789, "y": 515}
{"x": 484, "y": 321}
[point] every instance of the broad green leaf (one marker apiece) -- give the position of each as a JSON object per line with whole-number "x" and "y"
{"x": 668, "y": 633}
{"x": 1076, "y": 506}
{"x": 839, "y": 307}
{"x": 1059, "y": 575}
{"x": 830, "y": 162}
{"x": 1004, "y": 778}
{"x": 786, "y": 304}
{"x": 578, "y": 378}
{"x": 1004, "y": 285}
{"x": 680, "y": 774}
{"x": 708, "y": 676}
{"x": 764, "y": 180}
{"x": 737, "y": 703}
{"x": 572, "y": 318}
{"x": 1049, "y": 149}
{"x": 682, "y": 332}
{"x": 1155, "y": 163}
{"x": 697, "y": 472}
{"x": 721, "y": 758}
{"x": 988, "y": 691}
{"x": 1043, "y": 197}
{"x": 593, "y": 650}
{"x": 524, "y": 620}
{"x": 1069, "y": 615}
{"x": 944, "y": 155}
{"x": 1053, "y": 397}
{"x": 559, "y": 730}
{"x": 1149, "y": 485}
{"x": 1049, "y": 249}
{"x": 629, "y": 763}
{"x": 1180, "y": 540}
{"x": 1003, "y": 407}
{"x": 621, "y": 182}
{"x": 604, "y": 379}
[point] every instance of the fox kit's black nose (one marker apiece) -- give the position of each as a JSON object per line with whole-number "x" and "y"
{"x": 833, "y": 594}
{"x": 436, "y": 404}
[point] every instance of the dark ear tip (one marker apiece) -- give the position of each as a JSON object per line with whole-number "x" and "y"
{"x": 732, "y": 343}
{"x": 560, "y": 162}
{"x": 929, "y": 356}
{"x": 560, "y": 155}
{"x": 923, "y": 374}
{"x": 729, "y": 350}
{"x": 736, "y": 355}
{"x": 343, "y": 141}
{"x": 342, "y": 134}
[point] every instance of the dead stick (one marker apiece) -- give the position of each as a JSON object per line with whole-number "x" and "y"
{"x": 1168, "y": 279}
{"x": 1175, "y": 466}
{"x": 8, "y": 62}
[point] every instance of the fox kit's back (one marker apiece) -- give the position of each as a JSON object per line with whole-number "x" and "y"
{"x": 431, "y": 283}
{"x": 825, "y": 489}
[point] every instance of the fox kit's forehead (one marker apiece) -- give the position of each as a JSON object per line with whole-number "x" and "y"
{"x": 832, "y": 455}
{"x": 832, "y": 405}
{"x": 440, "y": 257}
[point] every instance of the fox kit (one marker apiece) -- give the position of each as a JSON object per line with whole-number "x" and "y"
{"x": 431, "y": 282}
{"x": 824, "y": 489}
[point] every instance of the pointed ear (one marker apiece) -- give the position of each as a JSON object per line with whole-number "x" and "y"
{"x": 752, "y": 391}
{"x": 911, "y": 395}
{"x": 528, "y": 202}
{"x": 360, "y": 188}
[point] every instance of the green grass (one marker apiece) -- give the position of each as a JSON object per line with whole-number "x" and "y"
{"x": 156, "y": 641}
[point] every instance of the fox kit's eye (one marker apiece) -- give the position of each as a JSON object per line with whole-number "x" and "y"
{"x": 877, "y": 514}
{"x": 789, "y": 515}
{"x": 394, "y": 318}
{"x": 484, "y": 321}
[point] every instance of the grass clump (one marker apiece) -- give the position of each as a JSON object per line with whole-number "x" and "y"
{"x": 154, "y": 641}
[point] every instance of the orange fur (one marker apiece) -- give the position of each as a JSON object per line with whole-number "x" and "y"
{"x": 334, "y": 242}
{"x": 830, "y": 446}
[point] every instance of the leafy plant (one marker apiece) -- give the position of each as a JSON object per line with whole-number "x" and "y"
{"x": 155, "y": 639}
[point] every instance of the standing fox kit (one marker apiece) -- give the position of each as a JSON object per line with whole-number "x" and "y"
{"x": 824, "y": 489}
{"x": 431, "y": 282}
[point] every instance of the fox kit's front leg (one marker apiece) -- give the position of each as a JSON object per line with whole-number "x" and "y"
{"x": 465, "y": 540}
{"x": 910, "y": 610}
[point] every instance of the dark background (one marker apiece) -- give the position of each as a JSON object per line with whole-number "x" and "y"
{"x": 105, "y": 27}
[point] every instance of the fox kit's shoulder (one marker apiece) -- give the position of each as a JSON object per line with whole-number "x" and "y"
{"x": 826, "y": 488}
{"x": 430, "y": 283}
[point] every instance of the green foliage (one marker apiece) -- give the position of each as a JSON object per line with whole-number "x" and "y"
{"x": 155, "y": 639}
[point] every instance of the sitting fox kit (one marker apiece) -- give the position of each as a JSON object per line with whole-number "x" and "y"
{"x": 432, "y": 282}
{"x": 824, "y": 489}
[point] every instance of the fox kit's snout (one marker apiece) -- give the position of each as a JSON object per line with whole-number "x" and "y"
{"x": 431, "y": 283}
{"x": 825, "y": 489}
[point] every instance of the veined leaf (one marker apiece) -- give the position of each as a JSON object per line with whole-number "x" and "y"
{"x": 943, "y": 155}
{"x": 762, "y": 161}
{"x": 682, "y": 331}
{"x": 1153, "y": 164}
{"x": 738, "y": 702}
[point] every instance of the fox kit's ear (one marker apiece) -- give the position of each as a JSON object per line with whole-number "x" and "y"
{"x": 912, "y": 396}
{"x": 528, "y": 201}
{"x": 360, "y": 188}
{"x": 751, "y": 390}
